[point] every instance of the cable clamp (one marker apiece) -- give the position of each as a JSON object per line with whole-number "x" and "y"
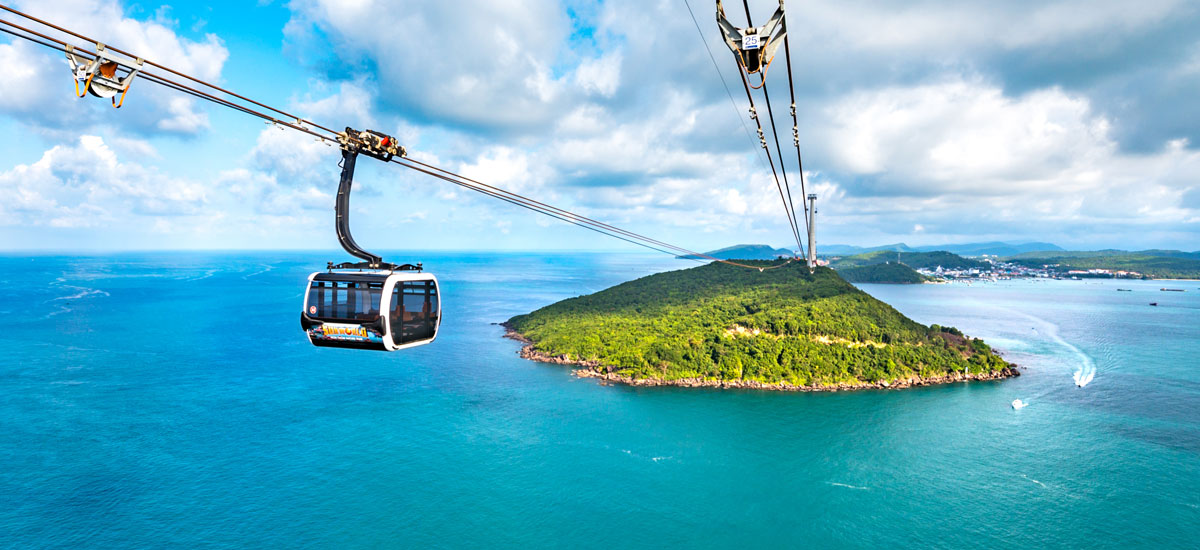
{"x": 372, "y": 143}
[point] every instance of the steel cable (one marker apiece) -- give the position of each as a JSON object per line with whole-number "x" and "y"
{"x": 446, "y": 175}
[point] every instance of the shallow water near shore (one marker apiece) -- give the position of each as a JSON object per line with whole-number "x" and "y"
{"x": 161, "y": 400}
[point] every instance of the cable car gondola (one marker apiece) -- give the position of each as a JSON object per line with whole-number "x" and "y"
{"x": 370, "y": 304}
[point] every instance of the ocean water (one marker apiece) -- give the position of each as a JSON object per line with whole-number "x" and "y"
{"x": 167, "y": 400}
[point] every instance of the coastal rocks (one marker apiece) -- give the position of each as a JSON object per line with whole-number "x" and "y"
{"x": 593, "y": 369}
{"x": 757, "y": 385}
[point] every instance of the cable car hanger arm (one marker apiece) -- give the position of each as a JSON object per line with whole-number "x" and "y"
{"x": 375, "y": 145}
{"x": 754, "y": 47}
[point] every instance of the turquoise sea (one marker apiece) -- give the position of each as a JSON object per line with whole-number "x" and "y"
{"x": 171, "y": 400}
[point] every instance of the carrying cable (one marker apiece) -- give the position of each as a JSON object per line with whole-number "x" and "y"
{"x": 782, "y": 165}
{"x": 307, "y": 127}
{"x": 788, "y": 207}
{"x": 787, "y": 54}
{"x": 791, "y": 205}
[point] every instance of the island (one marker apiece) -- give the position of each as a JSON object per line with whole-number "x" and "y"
{"x": 888, "y": 273}
{"x": 894, "y": 267}
{"x": 725, "y": 326}
{"x": 1147, "y": 264}
{"x": 743, "y": 251}
{"x": 916, "y": 260}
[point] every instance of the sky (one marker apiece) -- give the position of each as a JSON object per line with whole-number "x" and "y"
{"x": 925, "y": 122}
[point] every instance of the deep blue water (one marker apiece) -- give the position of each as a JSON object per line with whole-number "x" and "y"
{"x": 165, "y": 400}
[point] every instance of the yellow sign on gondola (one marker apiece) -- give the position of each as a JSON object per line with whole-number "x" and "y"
{"x": 344, "y": 331}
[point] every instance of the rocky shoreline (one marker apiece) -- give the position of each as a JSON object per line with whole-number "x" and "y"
{"x": 593, "y": 369}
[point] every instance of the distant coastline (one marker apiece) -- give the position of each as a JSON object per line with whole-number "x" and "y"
{"x": 593, "y": 369}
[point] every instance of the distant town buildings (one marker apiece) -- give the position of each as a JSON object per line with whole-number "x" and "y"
{"x": 1000, "y": 270}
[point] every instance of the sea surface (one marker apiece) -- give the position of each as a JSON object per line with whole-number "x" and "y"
{"x": 171, "y": 400}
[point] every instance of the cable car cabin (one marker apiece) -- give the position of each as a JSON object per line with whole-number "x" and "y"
{"x": 379, "y": 310}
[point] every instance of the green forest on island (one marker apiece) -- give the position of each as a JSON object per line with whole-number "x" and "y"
{"x": 1160, "y": 264}
{"x": 892, "y": 273}
{"x": 915, "y": 260}
{"x": 723, "y": 322}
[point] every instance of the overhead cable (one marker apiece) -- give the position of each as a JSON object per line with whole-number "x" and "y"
{"x": 327, "y": 135}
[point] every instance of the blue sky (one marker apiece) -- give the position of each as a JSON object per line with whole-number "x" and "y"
{"x": 924, "y": 122}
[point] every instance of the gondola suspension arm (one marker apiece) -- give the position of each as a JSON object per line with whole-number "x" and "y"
{"x": 375, "y": 145}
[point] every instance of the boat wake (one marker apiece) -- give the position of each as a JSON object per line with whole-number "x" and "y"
{"x": 1018, "y": 404}
{"x": 650, "y": 458}
{"x": 81, "y": 293}
{"x": 1087, "y": 368}
{"x": 848, "y": 486}
{"x": 1035, "y": 481}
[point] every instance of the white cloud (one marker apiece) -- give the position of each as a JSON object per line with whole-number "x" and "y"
{"x": 481, "y": 62}
{"x": 295, "y": 158}
{"x": 601, "y": 75}
{"x": 351, "y": 104}
{"x": 960, "y": 156}
{"x": 930, "y": 27}
{"x": 964, "y": 135}
{"x": 503, "y": 167}
{"x": 615, "y": 111}
{"x": 85, "y": 185}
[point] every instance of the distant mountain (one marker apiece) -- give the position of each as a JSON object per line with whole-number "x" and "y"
{"x": 968, "y": 249}
{"x": 992, "y": 248}
{"x": 745, "y": 252}
{"x": 846, "y": 249}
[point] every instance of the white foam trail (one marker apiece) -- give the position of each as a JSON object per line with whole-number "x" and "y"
{"x": 266, "y": 268}
{"x": 61, "y": 310}
{"x": 1035, "y": 481}
{"x": 651, "y": 458}
{"x": 1018, "y": 404}
{"x": 1087, "y": 368}
{"x": 206, "y": 275}
{"x": 856, "y": 487}
{"x": 83, "y": 293}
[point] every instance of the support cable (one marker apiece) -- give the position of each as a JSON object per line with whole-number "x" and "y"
{"x": 791, "y": 205}
{"x": 788, "y": 210}
{"x": 298, "y": 124}
{"x": 782, "y": 165}
{"x": 787, "y": 54}
{"x": 763, "y": 141}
